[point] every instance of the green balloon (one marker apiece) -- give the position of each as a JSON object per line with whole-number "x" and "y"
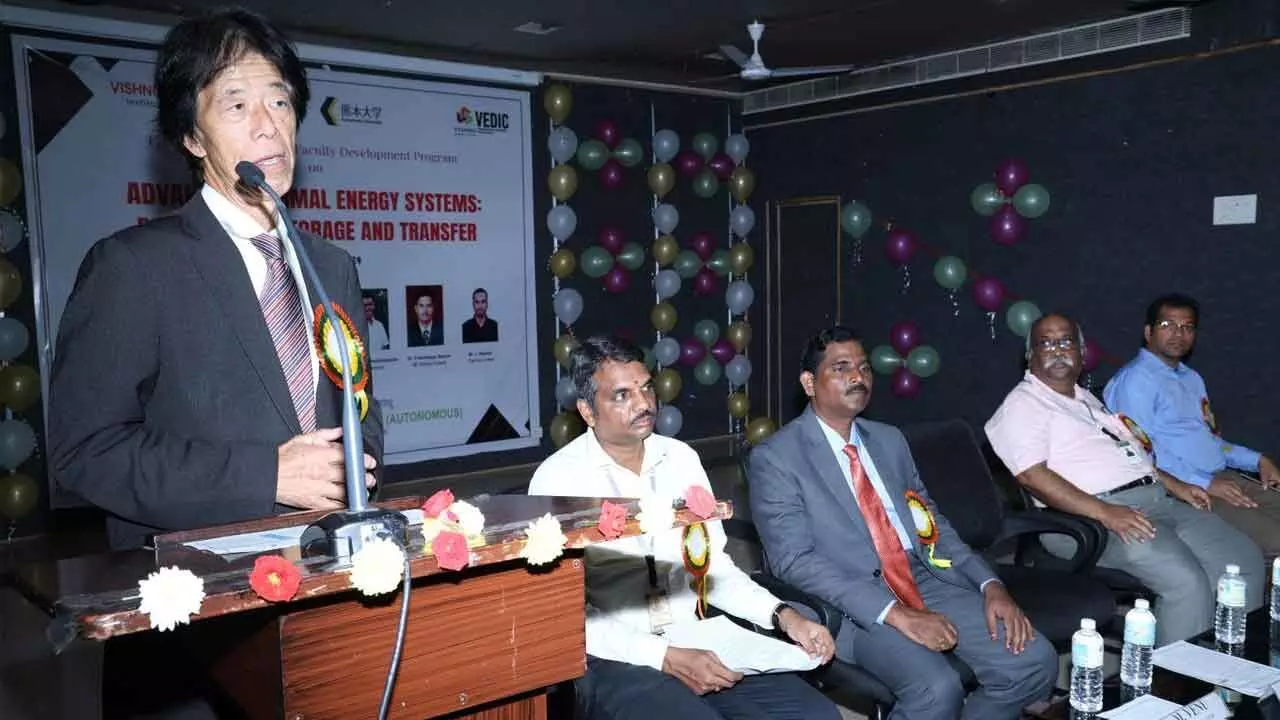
{"x": 1021, "y": 316}
{"x": 1031, "y": 201}
{"x": 950, "y": 273}
{"x": 923, "y": 361}
{"x": 687, "y": 264}
{"x": 884, "y": 360}
{"x": 592, "y": 155}
{"x": 706, "y": 184}
{"x": 719, "y": 262}
{"x": 629, "y": 152}
{"x": 707, "y": 331}
{"x": 705, "y": 144}
{"x": 595, "y": 261}
{"x": 707, "y": 372}
{"x": 986, "y": 199}
{"x": 855, "y": 218}
{"x": 632, "y": 256}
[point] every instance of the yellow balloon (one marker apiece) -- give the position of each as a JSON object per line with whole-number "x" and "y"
{"x": 742, "y": 183}
{"x": 563, "y": 181}
{"x": 665, "y": 250}
{"x": 739, "y": 335}
{"x": 662, "y": 177}
{"x": 667, "y": 385}
{"x": 562, "y": 263}
{"x": 663, "y": 317}
{"x": 11, "y": 283}
{"x": 19, "y": 387}
{"x": 565, "y": 427}
{"x": 759, "y": 429}
{"x": 10, "y": 181}
{"x": 739, "y": 405}
{"x": 557, "y": 101}
{"x": 18, "y": 496}
{"x": 740, "y": 258}
{"x": 563, "y": 347}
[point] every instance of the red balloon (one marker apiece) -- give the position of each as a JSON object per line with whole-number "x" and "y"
{"x": 900, "y": 246}
{"x": 904, "y": 383}
{"x": 722, "y": 350}
{"x": 1007, "y": 226}
{"x": 688, "y": 163}
{"x": 1011, "y": 175}
{"x": 692, "y": 351}
{"x": 721, "y": 165}
{"x": 611, "y": 174}
{"x": 904, "y": 336}
{"x": 988, "y": 293}
{"x": 608, "y": 133}
{"x": 703, "y": 244}
{"x": 1091, "y": 355}
{"x": 705, "y": 282}
{"x": 617, "y": 280}
{"x": 611, "y": 239}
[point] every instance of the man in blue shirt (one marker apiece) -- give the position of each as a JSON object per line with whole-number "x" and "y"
{"x": 1167, "y": 399}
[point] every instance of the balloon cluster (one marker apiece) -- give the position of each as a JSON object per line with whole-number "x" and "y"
{"x": 905, "y": 359}
{"x": 900, "y": 246}
{"x": 855, "y": 220}
{"x": 612, "y": 259}
{"x": 703, "y": 163}
{"x": 19, "y": 382}
{"x": 1010, "y": 200}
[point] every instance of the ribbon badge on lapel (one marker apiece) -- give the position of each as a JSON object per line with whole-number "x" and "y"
{"x": 1138, "y": 433}
{"x": 926, "y": 528}
{"x": 1207, "y": 414}
{"x": 327, "y": 349}
{"x": 695, "y": 548}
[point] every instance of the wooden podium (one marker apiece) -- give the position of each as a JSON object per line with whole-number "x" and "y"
{"x": 486, "y": 642}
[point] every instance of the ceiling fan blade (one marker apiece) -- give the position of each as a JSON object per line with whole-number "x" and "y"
{"x": 734, "y": 54}
{"x": 819, "y": 70}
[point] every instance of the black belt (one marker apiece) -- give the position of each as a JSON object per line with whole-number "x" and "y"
{"x": 1140, "y": 482}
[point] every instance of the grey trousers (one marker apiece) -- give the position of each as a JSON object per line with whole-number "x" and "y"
{"x": 1262, "y": 523}
{"x": 1182, "y": 563}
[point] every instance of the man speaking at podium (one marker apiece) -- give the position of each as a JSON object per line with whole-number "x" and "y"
{"x": 186, "y": 389}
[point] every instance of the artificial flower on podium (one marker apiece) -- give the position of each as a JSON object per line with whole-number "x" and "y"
{"x": 926, "y": 528}
{"x": 613, "y": 520}
{"x": 656, "y": 514}
{"x": 451, "y": 551}
{"x": 545, "y": 541}
{"x": 442, "y": 514}
{"x": 700, "y": 501}
{"x": 377, "y": 567}
{"x": 170, "y": 596}
{"x": 274, "y": 578}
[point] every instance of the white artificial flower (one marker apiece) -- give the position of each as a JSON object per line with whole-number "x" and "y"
{"x": 546, "y": 541}
{"x": 170, "y": 596}
{"x": 470, "y": 519}
{"x": 377, "y": 568}
{"x": 431, "y": 527}
{"x": 656, "y": 515}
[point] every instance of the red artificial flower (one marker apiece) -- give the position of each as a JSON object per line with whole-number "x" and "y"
{"x": 450, "y": 549}
{"x": 613, "y": 520}
{"x": 274, "y": 578}
{"x": 700, "y": 501}
{"x": 437, "y": 503}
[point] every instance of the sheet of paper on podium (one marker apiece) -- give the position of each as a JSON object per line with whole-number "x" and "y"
{"x": 739, "y": 649}
{"x": 267, "y": 540}
{"x": 1243, "y": 676}
{"x": 1143, "y": 707}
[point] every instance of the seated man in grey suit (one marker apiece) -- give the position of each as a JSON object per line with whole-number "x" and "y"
{"x": 832, "y": 499}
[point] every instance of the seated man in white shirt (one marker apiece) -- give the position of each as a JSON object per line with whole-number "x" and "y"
{"x": 637, "y": 587}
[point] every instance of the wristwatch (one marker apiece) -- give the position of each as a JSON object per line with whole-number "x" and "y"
{"x": 777, "y": 617}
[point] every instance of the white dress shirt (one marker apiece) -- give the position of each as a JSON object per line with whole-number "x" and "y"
{"x": 616, "y": 574}
{"x": 378, "y": 339}
{"x": 241, "y": 227}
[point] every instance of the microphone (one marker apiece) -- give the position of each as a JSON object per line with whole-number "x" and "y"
{"x": 339, "y": 534}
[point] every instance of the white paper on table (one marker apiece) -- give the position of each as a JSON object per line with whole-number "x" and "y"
{"x": 1209, "y": 707}
{"x": 1143, "y": 707}
{"x": 1243, "y": 676}
{"x": 739, "y": 649}
{"x": 266, "y": 540}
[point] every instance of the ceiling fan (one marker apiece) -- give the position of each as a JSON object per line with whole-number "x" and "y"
{"x": 754, "y": 69}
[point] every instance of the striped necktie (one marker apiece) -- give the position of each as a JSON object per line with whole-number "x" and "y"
{"x": 282, "y": 309}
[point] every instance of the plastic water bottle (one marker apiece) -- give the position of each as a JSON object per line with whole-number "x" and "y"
{"x": 1139, "y": 639}
{"x": 1228, "y": 618}
{"x": 1086, "y": 667}
{"x": 1275, "y": 603}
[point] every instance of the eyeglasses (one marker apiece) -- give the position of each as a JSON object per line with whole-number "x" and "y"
{"x": 1051, "y": 344}
{"x": 1171, "y": 326}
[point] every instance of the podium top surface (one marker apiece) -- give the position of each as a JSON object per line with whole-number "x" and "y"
{"x": 96, "y": 596}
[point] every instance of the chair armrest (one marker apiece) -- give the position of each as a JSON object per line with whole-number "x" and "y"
{"x": 1089, "y": 535}
{"x": 826, "y": 613}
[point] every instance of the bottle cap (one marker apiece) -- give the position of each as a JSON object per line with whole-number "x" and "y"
{"x": 1141, "y": 603}
{"x": 1233, "y": 569}
{"x": 1088, "y": 624}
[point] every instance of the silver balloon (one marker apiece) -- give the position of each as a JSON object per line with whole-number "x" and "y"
{"x": 666, "y": 218}
{"x": 666, "y": 283}
{"x": 666, "y": 351}
{"x": 568, "y": 305}
{"x": 566, "y": 393}
{"x": 13, "y": 338}
{"x": 738, "y": 370}
{"x": 666, "y": 143}
{"x": 739, "y": 296}
{"x": 562, "y": 221}
{"x": 742, "y": 220}
{"x": 736, "y": 146}
{"x": 669, "y": 421}
{"x": 563, "y": 144}
{"x": 17, "y": 440}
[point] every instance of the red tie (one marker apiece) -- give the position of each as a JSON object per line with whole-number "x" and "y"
{"x": 893, "y": 559}
{"x": 282, "y": 309}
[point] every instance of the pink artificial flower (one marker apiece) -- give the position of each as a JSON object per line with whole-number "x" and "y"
{"x": 437, "y": 503}
{"x": 450, "y": 549}
{"x": 700, "y": 501}
{"x": 613, "y": 520}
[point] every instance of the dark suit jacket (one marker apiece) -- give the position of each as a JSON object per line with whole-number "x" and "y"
{"x": 473, "y": 333}
{"x": 415, "y": 335}
{"x": 813, "y": 533}
{"x": 167, "y": 401}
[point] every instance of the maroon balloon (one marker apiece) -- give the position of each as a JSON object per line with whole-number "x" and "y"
{"x": 904, "y": 383}
{"x": 692, "y": 351}
{"x": 721, "y": 165}
{"x": 1007, "y": 226}
{"x": 608, "y": 133}
{"x": 688, "y": 163}
{"x": 611, "y": 174}
{"x": 1092, "y": 355}
{"x": 904, "y": 336}
{"x": 988, "y": 293}
{"x": 617, "y": 280}
{"x": 722, "y": 350}
{"x": 1011, "y": 175}
{"x": 900, "y": 246}
{"x": 703, "y": 244}
{"x": 611, "y": 239}
{"x": 705, "y": 283}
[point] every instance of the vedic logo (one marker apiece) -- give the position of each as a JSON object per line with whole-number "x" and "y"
{"x": 480, "y": 122}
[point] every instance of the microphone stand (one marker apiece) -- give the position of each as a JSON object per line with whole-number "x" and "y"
{"x": 342, "y": 533}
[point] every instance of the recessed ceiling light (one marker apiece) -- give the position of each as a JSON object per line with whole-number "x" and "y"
{"x": 536, "y": 28}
